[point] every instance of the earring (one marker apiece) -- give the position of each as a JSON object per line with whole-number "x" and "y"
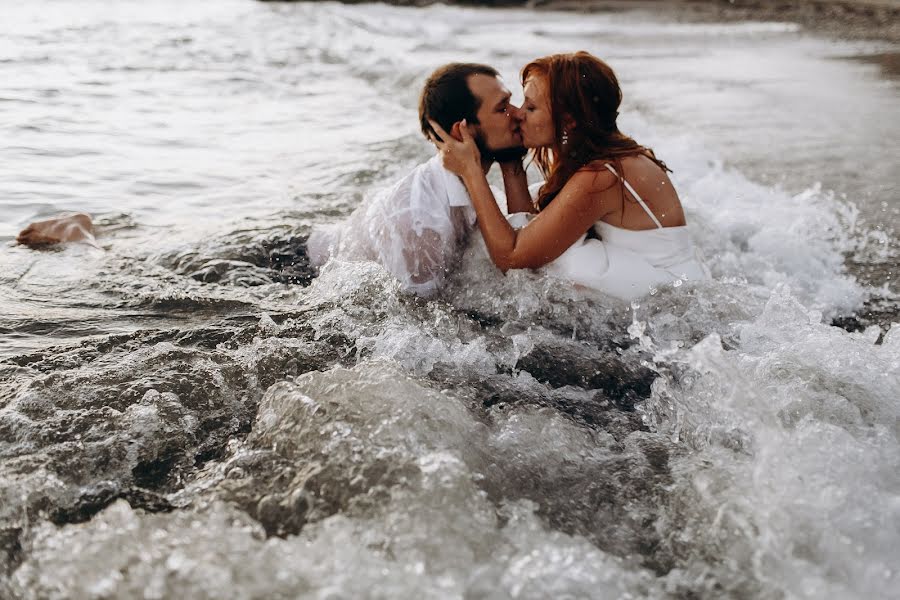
{"x": 565, "y": 137}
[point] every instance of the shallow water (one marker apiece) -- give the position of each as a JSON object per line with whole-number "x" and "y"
{"x": 186, "y": 413}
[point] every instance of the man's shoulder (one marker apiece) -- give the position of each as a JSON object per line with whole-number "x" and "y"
{"x": 425, "y": 184}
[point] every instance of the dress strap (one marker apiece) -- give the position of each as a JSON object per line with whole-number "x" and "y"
{"x": 636, "y": 196}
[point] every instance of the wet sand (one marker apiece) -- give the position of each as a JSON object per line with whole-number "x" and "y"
{"x": 843, "y": 19}
{"x": 850, "y": 19}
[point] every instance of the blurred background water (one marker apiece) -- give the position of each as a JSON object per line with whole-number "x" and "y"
{"x": 183, "y": 415}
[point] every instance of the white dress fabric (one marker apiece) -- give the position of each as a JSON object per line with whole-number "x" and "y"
{"x": 414, "y": 228}
{"x": 628, "y": 264}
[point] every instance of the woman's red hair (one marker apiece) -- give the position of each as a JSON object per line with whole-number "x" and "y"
{"x": 584, "y": 97}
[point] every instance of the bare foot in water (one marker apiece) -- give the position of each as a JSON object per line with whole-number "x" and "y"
{"x": 67, "y": 228}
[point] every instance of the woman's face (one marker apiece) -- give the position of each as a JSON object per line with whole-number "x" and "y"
{"x": 535, "y": 120}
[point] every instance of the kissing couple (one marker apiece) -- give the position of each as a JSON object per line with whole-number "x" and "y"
{"x": 606, "y": 217}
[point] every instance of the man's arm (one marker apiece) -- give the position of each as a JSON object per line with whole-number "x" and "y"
{"x": 426, "y": 262}
{"x": 65, "y": 228}
{"x": 411, "y": 244}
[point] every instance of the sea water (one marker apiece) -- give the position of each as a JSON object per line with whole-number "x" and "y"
{"x": 187, "y": 412}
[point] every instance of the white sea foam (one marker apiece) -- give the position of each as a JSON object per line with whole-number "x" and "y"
{"x": 795, "y": 463}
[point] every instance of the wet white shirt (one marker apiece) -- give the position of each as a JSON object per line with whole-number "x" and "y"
{"x": 414, "y": 228}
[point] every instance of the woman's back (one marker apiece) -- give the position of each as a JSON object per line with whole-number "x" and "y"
{"x": 652, "y": 185}
{"x": 643, "y": 239}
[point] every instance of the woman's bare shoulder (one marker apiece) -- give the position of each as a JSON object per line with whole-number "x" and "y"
{"x": 642, "y": 166}
{"x": 593, "y": 177}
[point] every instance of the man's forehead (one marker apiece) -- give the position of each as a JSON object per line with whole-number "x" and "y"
{"x": 488, "y": 88}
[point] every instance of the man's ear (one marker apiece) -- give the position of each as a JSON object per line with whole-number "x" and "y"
{"x": 455, "y": 132}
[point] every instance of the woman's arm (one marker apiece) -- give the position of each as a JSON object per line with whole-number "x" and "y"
{"x": 574, "y": 210}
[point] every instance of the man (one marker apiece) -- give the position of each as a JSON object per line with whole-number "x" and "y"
{"x": 416, "y": 227}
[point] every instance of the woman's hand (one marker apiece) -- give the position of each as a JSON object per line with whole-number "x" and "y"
{"x": 459, "y": 157}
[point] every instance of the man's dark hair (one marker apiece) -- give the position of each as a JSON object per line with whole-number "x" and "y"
{"x": 446, "y": 97}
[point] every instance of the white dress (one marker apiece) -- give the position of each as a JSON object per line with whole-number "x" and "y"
{"x": 628, "y": 264}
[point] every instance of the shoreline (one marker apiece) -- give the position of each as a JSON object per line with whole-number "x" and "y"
{"x": 843, "y": 19}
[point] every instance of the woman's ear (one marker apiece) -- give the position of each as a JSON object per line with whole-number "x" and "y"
{"x": 568, "y": 122}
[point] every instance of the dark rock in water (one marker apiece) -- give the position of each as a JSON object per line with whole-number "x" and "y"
{"x": 594, "y": 410}
{"x": 284, "y": 260}
{"x": 154, "y": 473}
{"x": 559, "y": 365}
{"x": 245, "y": 261}
{"x": 89, "y": 504}
{"x": 85, "y": 506}
{"x": 10, "y": 550}
{"x": 288, "y": 258}
{"x": 876, "y": 311}
{"x": 146, "y": 500}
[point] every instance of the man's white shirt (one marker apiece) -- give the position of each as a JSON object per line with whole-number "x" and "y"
{"x": 415, "y": 229}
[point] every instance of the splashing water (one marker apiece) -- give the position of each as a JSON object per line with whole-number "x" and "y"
{"x": 193, "y": 412}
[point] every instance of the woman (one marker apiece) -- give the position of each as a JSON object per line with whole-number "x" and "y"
{"x": 598, "y": 181}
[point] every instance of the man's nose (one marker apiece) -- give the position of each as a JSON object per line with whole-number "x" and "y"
{"x": 514, "y": 112}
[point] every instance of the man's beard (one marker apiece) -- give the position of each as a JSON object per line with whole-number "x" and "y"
{"x": 499, "y": 154}
{"x": 509, "y": 154}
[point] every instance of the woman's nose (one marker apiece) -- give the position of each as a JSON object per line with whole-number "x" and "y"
{"x": 514, "y": 112}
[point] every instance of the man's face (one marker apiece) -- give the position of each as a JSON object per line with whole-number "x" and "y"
{"x": 497, "y": 127}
